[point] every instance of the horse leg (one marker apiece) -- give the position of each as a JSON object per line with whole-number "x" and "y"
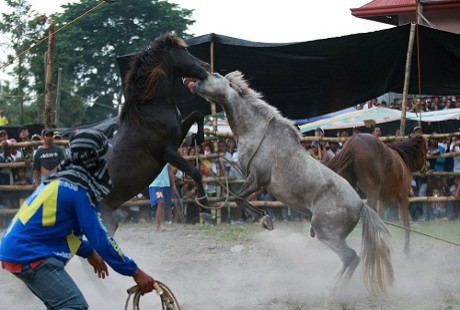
{"x": 249, "y": 187}
{"x": 194, "y": 117}
{"x": 347, "y": 255}
{"x": 404, "y": 211}
{"x": 175, "y": 159}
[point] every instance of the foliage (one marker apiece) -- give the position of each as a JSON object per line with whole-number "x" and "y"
{"x": 21, "y": 27}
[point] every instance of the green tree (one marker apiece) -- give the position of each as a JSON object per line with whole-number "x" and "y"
{"x": 86, "y": 50}
{"x": 21, "y": 28}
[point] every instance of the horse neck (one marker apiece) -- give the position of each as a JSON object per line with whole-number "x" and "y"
{"x": 237, "y": 116}
{"x": 163, "y": 100}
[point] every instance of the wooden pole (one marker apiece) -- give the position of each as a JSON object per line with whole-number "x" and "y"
{"x": 214, "y": 129}
{"x": 410, "y": 47}
{"x": 57, "y": 106}
{"x": 49, "y": 76}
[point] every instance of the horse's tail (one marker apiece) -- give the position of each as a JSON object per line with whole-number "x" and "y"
{"x": 378, "y": 269}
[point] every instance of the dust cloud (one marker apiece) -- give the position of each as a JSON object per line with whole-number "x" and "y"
{"x": 280, "y": 269}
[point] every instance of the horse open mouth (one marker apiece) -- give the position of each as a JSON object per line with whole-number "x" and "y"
{"x": 189, "y": 82}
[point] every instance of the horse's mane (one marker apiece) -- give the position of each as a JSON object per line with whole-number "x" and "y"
{"x": 145, "y": 70}
{"x": 255, "y": 99}
{"x": 411, "y": 150}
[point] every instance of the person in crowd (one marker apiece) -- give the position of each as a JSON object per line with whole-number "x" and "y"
{"x": 438, "y": 209}
{"x": 209, "y": 169}
{"x": 161, "y": 191}
{"x": 319, "y": 132}
{"x": 313, "y": 150}
{"x": 21, "y": 178}
{"x": 35, "y": 248}
{"x": 343, "y": 134}
{"x": 3, "y": 119}
{"x": 435, "y": 164}
{"x": 3, "y": 135}
{"x": 377, "y": 132}
{"x": 332, "y": 151}
{"x": 231, "y": 145}
{"x": 222, "y": 148}
{"x": 46, "y": 158}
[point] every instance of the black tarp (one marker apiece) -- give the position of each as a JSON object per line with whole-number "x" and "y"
{"x": 312, "y": 78}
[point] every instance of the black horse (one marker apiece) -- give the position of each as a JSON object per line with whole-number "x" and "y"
{"x": 150, "y": 126}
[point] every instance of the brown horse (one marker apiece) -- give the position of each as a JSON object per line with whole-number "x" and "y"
{"x": 383, "y": 172}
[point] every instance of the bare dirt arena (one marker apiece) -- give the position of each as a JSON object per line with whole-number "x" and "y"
{"x": 246, "y": 267}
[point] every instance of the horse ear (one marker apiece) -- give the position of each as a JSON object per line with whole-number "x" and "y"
{"x": 236, "y": 87}
{"x": 236, "y": 79}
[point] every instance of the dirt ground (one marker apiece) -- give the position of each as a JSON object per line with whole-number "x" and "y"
{"x": 245, "y": 267}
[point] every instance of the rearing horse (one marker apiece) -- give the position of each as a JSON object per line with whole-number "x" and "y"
{"x": 271, "y": 156}
{"x": 383, "y": 172}
{"x": 150, "y": 125}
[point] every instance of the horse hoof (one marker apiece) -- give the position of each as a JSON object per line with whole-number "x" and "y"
{"x": 266, "y": 223}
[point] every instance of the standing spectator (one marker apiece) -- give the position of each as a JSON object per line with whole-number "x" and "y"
{"x": 36, "y": 248}
{"x": 436, "y": 164}
{"x": 26, "y": 152}
{"x": 47, "y": 158}
{"x": 3, "y": 119}
{"x": 161, "y": 190}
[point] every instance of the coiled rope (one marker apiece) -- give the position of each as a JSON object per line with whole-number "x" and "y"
{"x": 168, "y": 300}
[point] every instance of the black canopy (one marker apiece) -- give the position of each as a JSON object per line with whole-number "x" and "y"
{"x": 312, "y": 78}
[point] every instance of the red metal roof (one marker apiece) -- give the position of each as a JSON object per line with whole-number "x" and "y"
{"x": 381, "y": 7}
{"x": 385, "y": 7}
{"x": 378, "y": 9}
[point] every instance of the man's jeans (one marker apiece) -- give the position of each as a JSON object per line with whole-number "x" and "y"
{"x": 53, "y": 285}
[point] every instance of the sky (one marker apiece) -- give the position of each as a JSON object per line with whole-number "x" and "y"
{"x": 263, "y": 20}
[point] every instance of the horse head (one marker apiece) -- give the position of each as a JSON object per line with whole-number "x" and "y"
{"x": 166, "y": 58}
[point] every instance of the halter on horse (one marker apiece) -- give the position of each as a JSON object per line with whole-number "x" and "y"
{"x": 150, "y": 126}
{"x": 281, "y": 165}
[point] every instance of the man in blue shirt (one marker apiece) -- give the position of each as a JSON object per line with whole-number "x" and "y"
{"x": 49, "y": 227}
{"x": 161, "y": 191}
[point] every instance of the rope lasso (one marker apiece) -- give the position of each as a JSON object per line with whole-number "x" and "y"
{"x": 168, "y": 300}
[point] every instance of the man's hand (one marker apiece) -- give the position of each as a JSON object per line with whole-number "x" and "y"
{"x": 99, "y": 265}
{"x": 143, "y": 281}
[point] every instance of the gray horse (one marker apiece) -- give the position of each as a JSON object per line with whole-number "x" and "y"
{"x": 271, "y": 156}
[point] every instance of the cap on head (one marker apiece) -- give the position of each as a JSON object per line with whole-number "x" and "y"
{"x": 47, "y": 131}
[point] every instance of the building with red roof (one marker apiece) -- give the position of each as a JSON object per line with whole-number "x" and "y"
{"x": 438, "y": 14}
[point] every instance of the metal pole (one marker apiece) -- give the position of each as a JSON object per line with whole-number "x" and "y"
{"x": 49, "y": 76}
{"x": 410, "y": 47}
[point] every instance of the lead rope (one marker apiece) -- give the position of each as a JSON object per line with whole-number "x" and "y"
{"x": 168, "y": 300}
{"x": 421, "y": 233}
